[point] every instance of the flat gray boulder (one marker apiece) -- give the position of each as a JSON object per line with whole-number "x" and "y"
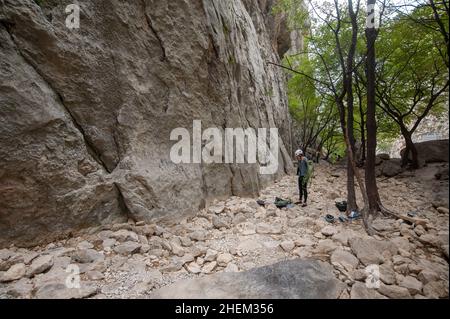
{"x": 290, "y": 279}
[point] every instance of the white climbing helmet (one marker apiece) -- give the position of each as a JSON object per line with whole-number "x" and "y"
{"x": 298, "y": 152}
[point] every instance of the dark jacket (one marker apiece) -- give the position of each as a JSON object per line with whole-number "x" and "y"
{"x": 302, "y": 167}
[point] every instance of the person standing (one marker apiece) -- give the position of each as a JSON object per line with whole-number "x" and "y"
{"x": 302, "y": 170}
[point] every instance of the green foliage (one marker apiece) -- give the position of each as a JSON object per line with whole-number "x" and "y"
{"x": 297, "y": 14}
{"x": 40, "y": 2}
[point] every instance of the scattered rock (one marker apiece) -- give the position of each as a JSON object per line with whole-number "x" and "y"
{"x": 329, "y": 231}
{"x": 287, "y": 245}
{"x": 360, "y": 291}
{"x": 22, "y": 288}
{"x": 40, "y": 264}
{"x": 108, "y": 243}
{"x": 436, "y": 289}
{"x": 442, "y": 210}
{"x": 325, "y": 246}
{"x": 246, "y": 228}
{"x": 220, "y": 222}
{"x": 344, "y": 259}
{"x": 394, "y": 292}
{"x": 231, "y": 267}
{"x": 123, "y": 235}
{"x": 367, "y": 251}
{"x": 193, "y": 268}
{"x": 177, "y": 249}
{"x": 198, "y": 235}
{"x": 304, "y": 242}
{"x": 85, "y": 256}
{"x": 264, "y": 228}
{"x": 209, "y": 267}
{"x": 412, "y": 284}
{"x": 128, "y": 248}
{"x": 211, "y": 255}
{"x": 387, "y": 274}
{"x": 224, "y": 259}
{"x": 16, "y": 272}
{"x": 426, "y": 276}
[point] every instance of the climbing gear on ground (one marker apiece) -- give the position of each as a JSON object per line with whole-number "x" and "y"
{"x": 329, "y": 218}
{"x": 342, "y": 206}
{"x": 280, "y": 203}
{"x": 261, "y": 202}
{"x": 354, "y": 215}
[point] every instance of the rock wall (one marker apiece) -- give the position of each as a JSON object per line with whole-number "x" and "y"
{"x": 86, "y": 114}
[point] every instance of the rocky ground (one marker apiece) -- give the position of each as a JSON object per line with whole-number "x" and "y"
{"x": 132, "y": 260}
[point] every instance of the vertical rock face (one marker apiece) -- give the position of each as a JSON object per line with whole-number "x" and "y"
{"x": 86, "y": 114}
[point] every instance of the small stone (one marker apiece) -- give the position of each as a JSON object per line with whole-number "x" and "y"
{"x": 123, "y": 235}
{"x": 414, "y": 268}
{"x": 209, "y": 267}
{"x": 239, "y": 218}
{"x": 394, "y": 292}
{"x": 359, "y": 275}
{"x": 108, "y": 243}
{"x": 145, "y": 248}
{"x": 436, "y": 289}
{"x": 128, "y": 248}
{"x": 419, "y": 230}
{"x": 177, "y": 249}
{"x": 360, "y": 291}
{"x": 211, "y": 255}
{"x": 287, "y": 245}
{"x": 224, "y": 259}
{"x": 231, "y": 267}
{"x": 193, "y": 268}
{"x": 246, "y": 228}
{"x": 21, "y": 288}
{"x": 442, "y": 210}
{"x": 329, "y": 231}
{"x": 304, "y": 242}
{"x": 387, "y": 274}
{"x": 220, "y": 222}
{"x": 85, "y": 256}
{"x": 40, "y": 265}
{"x": 344, "y": 259}
{"x": 325, "y": 246}
{"x": 85, "y": 245}
{"x": 16, "y": 272}
{"x": 216, "y": 209}
{"x": 95, "y": 275}
{"x": 186, "y": 241}
{"x": 200, "y": 261}
{"x": 426, "y": 276}
{"x": 198, "y": 235}
{"x": 412, "y": 284}
{"x": 264, "y": 228}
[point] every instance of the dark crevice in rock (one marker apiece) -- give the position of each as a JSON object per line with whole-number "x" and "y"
{"x": 122, "y": 204}
{"x": 155, "y": 33}
{"x": 89, "y": 145}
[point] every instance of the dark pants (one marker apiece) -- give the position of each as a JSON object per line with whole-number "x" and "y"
{"x": 302, "y": 188}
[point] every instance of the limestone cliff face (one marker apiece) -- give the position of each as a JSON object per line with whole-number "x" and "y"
{"x": 86, "y": 114}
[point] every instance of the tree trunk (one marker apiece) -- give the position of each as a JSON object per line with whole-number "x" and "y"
{"x": 348, "y": 82}
{"x": 371, "y": 124}
{"x": 410, "y": 148}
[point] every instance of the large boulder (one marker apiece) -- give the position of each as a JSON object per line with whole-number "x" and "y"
{"x": 292, "y": 279}
{"x": 431, "y": 151}
{"x": 392, "y": 167}
{"x": 86, "y": 114}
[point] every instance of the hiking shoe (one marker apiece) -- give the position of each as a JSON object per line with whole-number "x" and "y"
{"x": 304, "y": 205}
